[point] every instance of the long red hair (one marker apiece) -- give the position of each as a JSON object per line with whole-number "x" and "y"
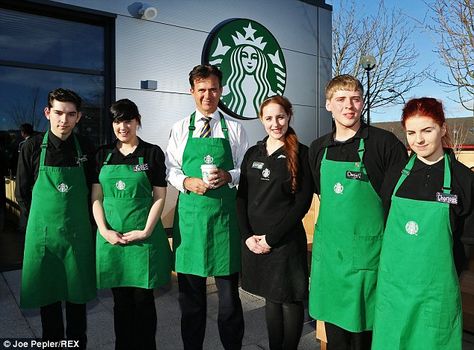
{"x": 290, "y": 141}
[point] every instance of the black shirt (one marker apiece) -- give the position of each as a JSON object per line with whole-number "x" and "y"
{"x": 264, "y": 198}
{"x": 422, "y": 184}
{"x": 152, "y": 155}
{"x": 382, "y": 150}
{"x": 58, "y": 154}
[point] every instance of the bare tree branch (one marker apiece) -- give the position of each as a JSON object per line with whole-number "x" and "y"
{"x": 386, "y": 36}
{"x": 454, "y": 25}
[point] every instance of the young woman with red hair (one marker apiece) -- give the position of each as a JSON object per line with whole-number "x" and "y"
{"x": 430, "y": 206}
{"x": 275, "y": 192}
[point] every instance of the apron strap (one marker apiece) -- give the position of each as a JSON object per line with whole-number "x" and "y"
{"x": 361, "y": 152}
{"x": 106, "y": 161}
{"x": 140, "y": 160}
{"x": 191, "y": 127}
{"x": 224, "y": 127}
{"x": 44, "y": 146}
{"x": 405, "y": 172}
{"x": 447, "y": 174}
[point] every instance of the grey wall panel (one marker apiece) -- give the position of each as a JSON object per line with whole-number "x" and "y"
{"x": 302, "y": 77}
{"x": 292, "y": 22}
{"x": 304, "y": 123}
{"x": 147, "y": 50}
{"x": 325, "y": 121}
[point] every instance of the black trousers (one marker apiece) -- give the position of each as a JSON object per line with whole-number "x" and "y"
{"x": 134, "y": 318}
{"x": 341, "y": 339}
{"x": 193, "y": 304}
{"x": 76, "y": 322}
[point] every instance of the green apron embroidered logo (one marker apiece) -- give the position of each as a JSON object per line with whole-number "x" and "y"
{"x": 208, "y": 159}
{"x": 252, "y": 64}
{"x": 120, "y": 185}
{"x": 411, "y": 227}
{"x": 63, "y": 188}
{"x": 338, "y": 188}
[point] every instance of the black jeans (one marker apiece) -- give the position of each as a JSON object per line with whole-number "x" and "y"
{"x": 134, "y": 318}
{"x": 76, "y": 322}
{"x": 341, "y": 339}
{"x": 193, "y": 303}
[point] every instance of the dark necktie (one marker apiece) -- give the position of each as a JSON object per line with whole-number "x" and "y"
{"x": 206, "y": 129}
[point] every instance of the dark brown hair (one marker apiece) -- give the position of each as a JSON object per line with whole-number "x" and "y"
{"x": 64, "y": 95}
{"x": 291, "y": 140}
{"x": 427, "y": 107}
{"x": 204, "y": 71}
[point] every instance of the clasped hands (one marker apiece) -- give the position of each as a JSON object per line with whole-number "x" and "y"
{"x": 114, "y": 237}
{"x": 217, "y": 178}
{"x": 258, "y": 244}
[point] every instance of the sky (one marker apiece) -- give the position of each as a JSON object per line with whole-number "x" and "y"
{"x": 425, "y": 44}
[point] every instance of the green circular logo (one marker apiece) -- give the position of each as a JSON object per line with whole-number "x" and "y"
{"x": 252, "y": 65}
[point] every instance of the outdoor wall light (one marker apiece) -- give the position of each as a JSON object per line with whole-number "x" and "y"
{"x": 147, "y": 12}
{"x": 368, "y": 63}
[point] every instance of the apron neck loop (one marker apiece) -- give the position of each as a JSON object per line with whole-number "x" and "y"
{"x": 361, "y": 152}
{"x": 140, "y": 160}
{"x": 44, "y": 146}
{"x": 191, "y": 127}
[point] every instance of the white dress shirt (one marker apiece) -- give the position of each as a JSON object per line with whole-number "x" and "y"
{"x": 179, "y": 137}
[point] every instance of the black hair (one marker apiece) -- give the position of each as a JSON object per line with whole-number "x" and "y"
{"x": 125, "y": 109}
{"x": 64, "y": 95}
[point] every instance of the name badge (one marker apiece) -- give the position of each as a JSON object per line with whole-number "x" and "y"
{"x": 140, "y": 167}
{"x": 355, "y": 175}
{"x": 257, "y": 165}
{"x": 446, "y": 198}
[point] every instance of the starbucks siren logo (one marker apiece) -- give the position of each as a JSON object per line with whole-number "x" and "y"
{"x": 252, "y": 65}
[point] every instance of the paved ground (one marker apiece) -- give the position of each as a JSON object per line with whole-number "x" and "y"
{"x": 16, "y": 323}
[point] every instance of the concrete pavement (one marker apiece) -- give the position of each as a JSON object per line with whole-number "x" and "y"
{"x": 17, "y": 323}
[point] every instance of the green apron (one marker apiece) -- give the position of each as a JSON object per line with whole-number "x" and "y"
{"x": 346, "y": 248}
{"x": 206, "y": 240}
{"x": 58, "y": 261}
{"x": 127, "y": 201}
{"x": 418, "y": 299}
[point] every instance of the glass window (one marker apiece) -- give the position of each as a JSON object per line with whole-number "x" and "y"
{"x": 38, "y": 54}
{"x": 45, "y": 40}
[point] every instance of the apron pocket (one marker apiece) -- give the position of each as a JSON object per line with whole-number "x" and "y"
{"x": 444, "y": 318}
{"x": 366, "y": 250}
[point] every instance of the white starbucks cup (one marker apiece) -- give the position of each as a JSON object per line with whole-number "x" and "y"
{"x": 206, "y": 170}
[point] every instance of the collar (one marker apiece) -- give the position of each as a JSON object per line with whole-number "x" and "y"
{"x": 139, "y": 147}
{"x": 214, "y": 116}
{"x": 57, "y": 142}
{"x": 362, "y": 133}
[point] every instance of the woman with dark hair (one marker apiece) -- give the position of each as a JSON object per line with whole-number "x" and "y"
{"x": 275, "y": 192}
{"x": 429, "y": 202}
{"x": 133, "y": 254}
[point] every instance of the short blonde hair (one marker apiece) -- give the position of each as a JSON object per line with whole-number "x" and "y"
{"x": 343, "y": 82}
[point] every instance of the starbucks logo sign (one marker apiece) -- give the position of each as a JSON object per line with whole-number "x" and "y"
{"x": 252, "y": 65}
